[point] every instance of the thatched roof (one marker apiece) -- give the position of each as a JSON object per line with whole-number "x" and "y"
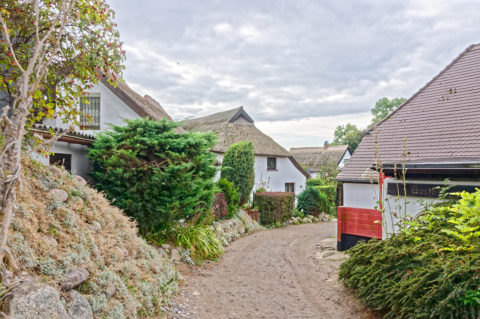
{"x": 317, "y": 157}
{"x": 144, "y": 106}
{"x": 235, "y": 126}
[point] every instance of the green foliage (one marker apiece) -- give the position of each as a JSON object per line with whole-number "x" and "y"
{"x": 156, "y": 175}
{"x": 331, "y": 192}
{"x": 298, "y": 213}
{"x": 314, "y": 182}
{"x": 231, "y": 196}
{"x": 348, "y": 135}
{"x": 384, "y": 106}
{"x": 89, "y": 45}
{"x": 200, "y": 239}
{"x": 274, "y": 207}
{"x": 427, "y": 270}
{"x": 238, "y": 167}
{"x": 261, "y": 190}
{"x": 312, "y": 202}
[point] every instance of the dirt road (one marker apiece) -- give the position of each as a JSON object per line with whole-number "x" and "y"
{"x": 281, "y": 273}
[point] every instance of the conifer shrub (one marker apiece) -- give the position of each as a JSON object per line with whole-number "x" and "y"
{"x": 155, "y": 174}
{"x": 231, "y": 196}
{"x": 238, "y": 167}
{"x": 274, "y": 207}
{"x": 312, "y": 202}
{"x": 429, "y": 269}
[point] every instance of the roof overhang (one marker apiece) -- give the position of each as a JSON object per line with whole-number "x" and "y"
{"x": 453, "y": 166}
{"x": 68, "y": 137}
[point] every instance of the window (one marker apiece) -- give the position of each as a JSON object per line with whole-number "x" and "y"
{"x": 60, "y": 159}
{"x": 290, "y": 187}
{"x": 90, "y": 117}
{"x": 271, "y": 163}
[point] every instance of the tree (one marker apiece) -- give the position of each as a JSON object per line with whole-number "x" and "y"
{"x": 385, "y": 106}
{"x": 348, "y": 134}
{"x": 238, "y": 167}
{"x": 156, "y": 175}
{"x": 50, "y": 52}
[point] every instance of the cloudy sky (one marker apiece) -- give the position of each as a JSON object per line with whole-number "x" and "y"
{"x": 300, "y": 68}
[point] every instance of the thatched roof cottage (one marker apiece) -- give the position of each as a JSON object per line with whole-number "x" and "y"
{"x": 326, "y": 159}
{"x": 275, "y": 167}
{"x": 106, "y": 105}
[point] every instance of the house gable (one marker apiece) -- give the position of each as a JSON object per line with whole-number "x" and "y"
{"x": 439, "y": 121}
{"x": 235, "y": 126}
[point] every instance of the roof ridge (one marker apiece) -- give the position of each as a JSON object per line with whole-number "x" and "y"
{"x": 471, "y": 46}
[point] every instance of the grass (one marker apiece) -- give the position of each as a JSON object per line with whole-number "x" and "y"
{"x": 200, "y": 239}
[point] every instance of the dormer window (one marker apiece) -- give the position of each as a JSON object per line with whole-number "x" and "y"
{"x": 90, "y": 117}
{"x": 271, "y": 163}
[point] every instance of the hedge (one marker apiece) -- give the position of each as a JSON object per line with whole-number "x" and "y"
{"x": 274, "y": 207}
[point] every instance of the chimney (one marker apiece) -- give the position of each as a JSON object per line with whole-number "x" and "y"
{"x": 325, "y": 146}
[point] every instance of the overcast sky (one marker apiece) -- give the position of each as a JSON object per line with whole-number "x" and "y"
{"x": 300, "y": 68}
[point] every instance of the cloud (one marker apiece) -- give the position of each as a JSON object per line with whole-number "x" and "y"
{"x": 289, "y": 61}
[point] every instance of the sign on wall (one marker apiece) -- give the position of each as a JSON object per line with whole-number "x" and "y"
{"x": 425, "y": 190}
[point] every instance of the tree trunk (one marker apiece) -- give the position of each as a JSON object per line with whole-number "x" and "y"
{"x": 11, "y": 175}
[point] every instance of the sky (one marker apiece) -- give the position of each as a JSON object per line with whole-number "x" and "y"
{"x": 299, "y": 68}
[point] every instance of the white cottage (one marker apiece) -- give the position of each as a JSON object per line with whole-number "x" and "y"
{"x": 106, "y": 105}
{"x": 433, "y": 136}
{"x": 275, "y": 167}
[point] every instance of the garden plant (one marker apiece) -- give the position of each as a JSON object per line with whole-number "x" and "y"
{"x": 238, "y": 168}
{"x": 428, "y": 269}
{"x": 156, "y": 175}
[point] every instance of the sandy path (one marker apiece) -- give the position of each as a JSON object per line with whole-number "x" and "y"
{"x": 270, "y": 274}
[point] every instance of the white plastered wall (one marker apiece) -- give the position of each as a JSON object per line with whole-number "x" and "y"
{"x": 274, "y": 180}
{"x": 80, "y": 163}
{"x": 112, "y": 111}
{"x": 344, "y": 159}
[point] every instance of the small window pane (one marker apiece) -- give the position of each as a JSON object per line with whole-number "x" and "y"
{"x": 90, "y": 117}
{"x": 290, "y": 187}
{"x": 271, "y": 163}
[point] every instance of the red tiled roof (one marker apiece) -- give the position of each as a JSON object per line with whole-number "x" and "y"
{"x": 440, "y": 121}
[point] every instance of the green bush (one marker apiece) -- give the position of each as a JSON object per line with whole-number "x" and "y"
{"x": 231, "y": 196}
{"x": 261, "y": 190}
{"x": 299, "y": 214}
{"x": 312, "y": 202}
{"x": 315, "y": 182}
{"x": 156, "y": 175}
{"x": 274, "y": 207}
{"x": 331, "y": 192}
{"x": 200, "y": 239}
{"x": 238, "y": 167}
{"x": 429, "y": 269}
